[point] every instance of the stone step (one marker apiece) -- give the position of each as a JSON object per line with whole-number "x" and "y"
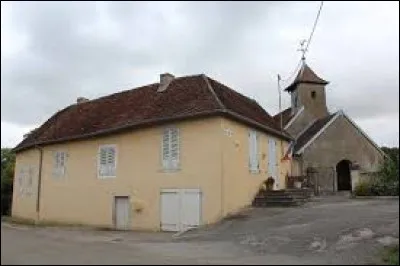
{"x": 288, "y": 197}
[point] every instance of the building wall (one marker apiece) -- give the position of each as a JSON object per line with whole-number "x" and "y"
{"x": 81, "y": 197}
{"x": 300, "y": 123}
{"x": 341, "y": 140}
{"x": 209, "y": 159}
{"x": 25, "y": 193}
{"x": 240, "y": 185}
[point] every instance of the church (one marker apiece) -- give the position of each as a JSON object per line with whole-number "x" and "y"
{"x": 326, "y": 145}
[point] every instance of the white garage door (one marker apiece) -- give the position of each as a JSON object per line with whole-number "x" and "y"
{"x": 180, "y": 209}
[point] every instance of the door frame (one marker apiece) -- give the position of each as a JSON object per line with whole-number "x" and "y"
{"x": 114, "y": 211}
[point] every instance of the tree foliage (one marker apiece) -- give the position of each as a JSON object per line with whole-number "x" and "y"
{"x": 7, "y": 177}
{"x": 386, "y": 182}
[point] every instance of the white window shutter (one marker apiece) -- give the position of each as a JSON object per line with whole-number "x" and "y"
{"x": 171, "y": 148}
{"x": 174, "y": 152}
{"x": 111, "y": 161}
{"x": 107, "y": 161}
{"x": 63, "y": 163}
{"x": 166, "y": 154}
{"x": 103, "y": 161}
{"x": 253, "y": 160}
{"x": 256, "y": 152}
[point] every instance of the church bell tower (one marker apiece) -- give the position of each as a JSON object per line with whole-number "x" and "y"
{"x": 308, "y": 90}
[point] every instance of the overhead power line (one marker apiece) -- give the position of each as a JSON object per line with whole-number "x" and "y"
{"x": 315, "y": 25}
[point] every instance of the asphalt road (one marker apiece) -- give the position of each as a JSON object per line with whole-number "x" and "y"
{"x": 327, "y": 232}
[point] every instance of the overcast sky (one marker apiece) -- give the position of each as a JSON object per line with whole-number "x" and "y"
{"x": 54, "y": 52}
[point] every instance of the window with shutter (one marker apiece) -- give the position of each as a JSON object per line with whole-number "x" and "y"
{"x": 272, "y": 161}
{"x": 253, "y": 151}
{"x": 21, "y": 178}
{"x": 107, "y": 161}
{"x": 170, "y": 148}
{"x": 59, "y": 163}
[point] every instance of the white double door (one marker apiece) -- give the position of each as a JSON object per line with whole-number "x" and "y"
{"x": 180, "y": 209}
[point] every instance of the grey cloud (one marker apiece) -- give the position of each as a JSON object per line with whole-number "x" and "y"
{"x": 91, "y": 49}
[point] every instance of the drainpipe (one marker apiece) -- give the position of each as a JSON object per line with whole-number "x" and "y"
{"x": 222, "y": 170}
{"x": 39, "y": 181}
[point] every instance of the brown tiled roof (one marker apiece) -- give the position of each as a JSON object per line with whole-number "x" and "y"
{"x": 185, "y": 97}
{"x": 311, "y": 131}
{"x": 286, "y": 116}
{"x": 306, "y": 75}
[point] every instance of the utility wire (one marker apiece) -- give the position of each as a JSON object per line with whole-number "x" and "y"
{"x": 293, "y": 73}
{"x": 315, "y": 25}
{"x": 305, "y": 50}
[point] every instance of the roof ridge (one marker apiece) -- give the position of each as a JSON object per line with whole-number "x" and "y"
{"x": 206, "y": 79}
{"x": 136, "y": 88}
{"x": 236, "y": 92}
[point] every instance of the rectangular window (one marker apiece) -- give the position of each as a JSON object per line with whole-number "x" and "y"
{"x": 25, "y": 181}
{"x": 253, "y": 152}
{"x": 59, "y": 163}
{"x": 170, "y": 148}
{"x": 21, "y": 180}
{"x": 107, "y": 161}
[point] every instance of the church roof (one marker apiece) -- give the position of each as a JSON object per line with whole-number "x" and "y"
{"x": 286, "y": 116}
{"x": 306, "y": 75}
{"x": 320, "y": 125}
{"x": 312, "y": 131}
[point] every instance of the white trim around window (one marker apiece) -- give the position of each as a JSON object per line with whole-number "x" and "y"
{"x": 107, "y": 161}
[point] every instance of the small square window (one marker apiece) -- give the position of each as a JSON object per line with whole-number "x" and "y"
{"x": 313, "y": 94}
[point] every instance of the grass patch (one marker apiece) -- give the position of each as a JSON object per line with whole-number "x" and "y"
{"x": 18, "y": 220}
{"x": 391, "y": 255}
{"x": 41, "y": 223}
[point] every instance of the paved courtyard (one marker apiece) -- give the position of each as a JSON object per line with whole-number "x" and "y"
{"x": 326, "y": 232}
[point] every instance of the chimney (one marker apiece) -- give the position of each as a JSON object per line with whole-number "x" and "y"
{"x": 165, "y": 80}
{"x": 81, "y": 100}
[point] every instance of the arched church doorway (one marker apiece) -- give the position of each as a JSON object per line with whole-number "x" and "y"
{"x": 343, "y": 175}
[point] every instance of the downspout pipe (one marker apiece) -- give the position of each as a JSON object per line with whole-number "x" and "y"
{"x": 39, "y": 186}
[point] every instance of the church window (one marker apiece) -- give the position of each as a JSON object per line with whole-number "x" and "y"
{"x": 313, "y": 94}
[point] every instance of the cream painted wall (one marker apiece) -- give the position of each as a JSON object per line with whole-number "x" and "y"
{"x": 25, "y": 194}
{"x": 240, "y": 185}
{"x": 81, "y": 197}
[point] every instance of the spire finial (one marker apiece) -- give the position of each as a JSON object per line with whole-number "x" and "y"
{"x": 303, "y": 50}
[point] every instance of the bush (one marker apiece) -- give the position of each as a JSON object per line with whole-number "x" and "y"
{"x": 363, "y": 189}
{"x": 391, "y": 255}
{"x": 385, "y": 183}
{"x": 7, "y": 174}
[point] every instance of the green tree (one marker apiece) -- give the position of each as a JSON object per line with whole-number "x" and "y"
{"x": 392, "y": 153}
{"x": 7, "y": 177}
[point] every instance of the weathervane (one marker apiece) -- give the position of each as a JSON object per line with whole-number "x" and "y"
{"x": 303, "y": 50}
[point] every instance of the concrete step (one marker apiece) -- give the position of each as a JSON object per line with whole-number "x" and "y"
{"x": 288, "y": 197}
